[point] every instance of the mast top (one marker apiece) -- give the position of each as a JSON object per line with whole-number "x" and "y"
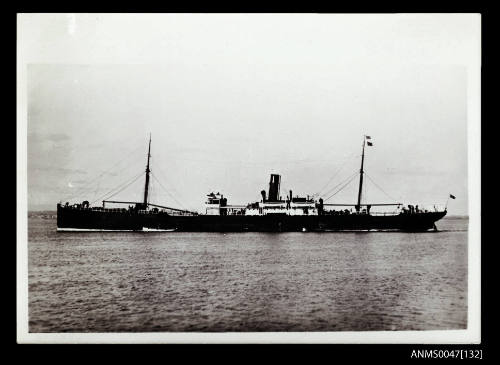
{"x": 149, "y": 153}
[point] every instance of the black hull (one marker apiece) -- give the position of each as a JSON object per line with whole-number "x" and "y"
{"x": 69, "y": 218}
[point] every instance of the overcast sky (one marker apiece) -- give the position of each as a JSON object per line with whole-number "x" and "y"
{"x": 229, "y": 99}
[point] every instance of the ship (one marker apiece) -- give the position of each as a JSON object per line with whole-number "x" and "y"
{"x": 273, "y": 213}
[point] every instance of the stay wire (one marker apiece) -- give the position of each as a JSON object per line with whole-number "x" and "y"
{"x": 340, "y": 183}
{"x": 338, "y": 191}
{"x": 168, "y": 192}
{"x": 124, "y": 187}
{"x": 348, "y": 158}
{"x": 121, "y": 186}
{"x": 82, "y": 188}
{"x": 382, "y": 190}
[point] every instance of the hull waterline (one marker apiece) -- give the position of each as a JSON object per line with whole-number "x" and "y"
{"x": 88, "y": 219}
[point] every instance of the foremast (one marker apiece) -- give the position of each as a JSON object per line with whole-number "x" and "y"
{"x": 148, "y": 170}
{"x": 361, "y": 173}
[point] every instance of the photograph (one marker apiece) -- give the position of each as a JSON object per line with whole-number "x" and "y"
{"x": 248, "y": 178}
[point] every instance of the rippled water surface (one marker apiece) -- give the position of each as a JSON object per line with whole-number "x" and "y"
{"x": 173, "y": 281}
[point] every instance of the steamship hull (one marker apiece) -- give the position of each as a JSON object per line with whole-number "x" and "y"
{"x": 271, "y": 214}
{"x": 70, "y": 219}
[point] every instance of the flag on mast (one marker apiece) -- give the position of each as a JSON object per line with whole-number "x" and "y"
{"x": 452, "y": 196}
{"x": 368, "y": 137}
{"x": 369, "y": 143}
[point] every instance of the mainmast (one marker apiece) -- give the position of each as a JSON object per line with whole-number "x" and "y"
{"x": 361, "y": 172}
{"x": 146, "y": 186}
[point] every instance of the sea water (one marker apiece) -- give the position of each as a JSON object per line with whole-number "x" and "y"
{"x": 178, "y": 281}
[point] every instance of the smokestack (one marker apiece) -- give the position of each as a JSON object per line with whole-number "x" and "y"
{"x": 263, "y": 193}
{"x": 290, "y": 195}
{"x": 274, "y": 187}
